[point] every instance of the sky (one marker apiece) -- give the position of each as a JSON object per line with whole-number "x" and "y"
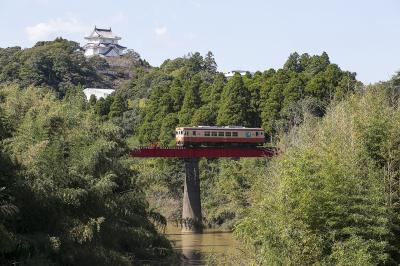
{"x": 361, "y": 36}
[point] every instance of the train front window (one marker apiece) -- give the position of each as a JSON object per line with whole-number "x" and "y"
{"x": 214, "y": 134}
{"x": 228, "y": 134}
{"x": 234, "y": 134}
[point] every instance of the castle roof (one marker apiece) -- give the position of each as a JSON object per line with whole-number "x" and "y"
{"x": 102, "y": 33}
{"x": 104, "y": 45}
{"x": 108, "y": 51}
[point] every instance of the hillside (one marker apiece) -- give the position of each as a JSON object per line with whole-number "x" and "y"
{"x": 70, "y": 195}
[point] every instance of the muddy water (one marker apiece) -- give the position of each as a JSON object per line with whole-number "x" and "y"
{"x": 195, "y": 247}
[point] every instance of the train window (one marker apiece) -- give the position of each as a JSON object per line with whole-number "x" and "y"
{"x": 207, "y": 133}
{"x": 194, "y": 133}
{"x": 256, "y": 133}
{"x": 220, "y": 134}
{"x": 262, "y": 133}
{"x": 234, "y": 134}
{"x": 214, "y": 134}
{"x": 228, "y": 134}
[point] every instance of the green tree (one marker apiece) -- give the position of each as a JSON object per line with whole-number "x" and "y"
{"x": 56, "y": 64}
{"x": 209, "y": 62}
{"x": 167, "y": 134}
{"x": 327, "y": 198}
{"x": 117, "y": 107}
{"x": 92, "y": 100}
{"x": 191, "y": 101}
{"x": 293, "y": 63}
{"x": 271, "y": 95}
{"x": 78, "y": 199}
{"x": 234, "y": 105}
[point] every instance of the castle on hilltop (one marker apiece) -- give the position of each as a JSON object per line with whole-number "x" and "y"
{"x": 103, "y": 42}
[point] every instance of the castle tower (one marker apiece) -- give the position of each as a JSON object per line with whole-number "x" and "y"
{"x": 103, "y": 42}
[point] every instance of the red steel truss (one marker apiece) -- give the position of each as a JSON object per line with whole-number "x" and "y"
{"x": 208, "y": 152}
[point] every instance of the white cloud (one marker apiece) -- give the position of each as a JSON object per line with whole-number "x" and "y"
{"x": 160, "y": 31}
{"x": 57, "y": 27}
{"x": 196, "y": 4}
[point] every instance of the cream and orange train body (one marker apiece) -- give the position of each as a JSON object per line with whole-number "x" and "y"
{"x": 219, "y": 136}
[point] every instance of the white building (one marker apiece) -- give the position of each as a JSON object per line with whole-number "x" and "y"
{"x": 98, "y": 93}
{"x": 102, "y": 42}
{"x": 233, "y": 72}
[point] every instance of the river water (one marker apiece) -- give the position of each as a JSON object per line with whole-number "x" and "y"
{"x": 196, "y": 247}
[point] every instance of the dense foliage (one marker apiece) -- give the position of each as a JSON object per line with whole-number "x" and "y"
{"x": 57, "y": 65}
{"x": 68, "y": 196}
{"x": 190, "y": 92}
{"x": 60, "y": 65}
{"x": 332, "y": 197}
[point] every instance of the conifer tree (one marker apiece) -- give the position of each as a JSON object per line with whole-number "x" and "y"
{"x": 293, "y": 63}
{"x": 92, "y": 100}
{"x": 191, "y": 101}
{"x": 234, "y": 105}
{"x": 117, "y": 107}
{"x": 209, "y": 62}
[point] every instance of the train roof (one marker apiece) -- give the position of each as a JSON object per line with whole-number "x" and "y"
{"x": 221, "y": 128}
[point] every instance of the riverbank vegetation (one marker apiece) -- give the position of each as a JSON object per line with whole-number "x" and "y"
{"x": 69, "y": 194}
{"x": 331, "y": 197}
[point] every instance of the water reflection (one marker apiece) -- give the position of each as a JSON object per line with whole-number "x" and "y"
{"x": 195, "y": 247}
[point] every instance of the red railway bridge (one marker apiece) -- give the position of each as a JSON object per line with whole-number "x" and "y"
{"x": 191, "y": 213}
{"x": 207, "y": 152}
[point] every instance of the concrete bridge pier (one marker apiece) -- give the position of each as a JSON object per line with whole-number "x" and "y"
{"x": 191, "y": 213}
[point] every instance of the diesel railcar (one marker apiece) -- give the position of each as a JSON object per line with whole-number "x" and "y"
{"x": 219, "y": 136}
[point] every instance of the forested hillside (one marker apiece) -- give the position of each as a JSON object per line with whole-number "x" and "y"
{"x": 191, "y": 92}
{"x": 70, "y": 195}
{"x": 60, "y": 65}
